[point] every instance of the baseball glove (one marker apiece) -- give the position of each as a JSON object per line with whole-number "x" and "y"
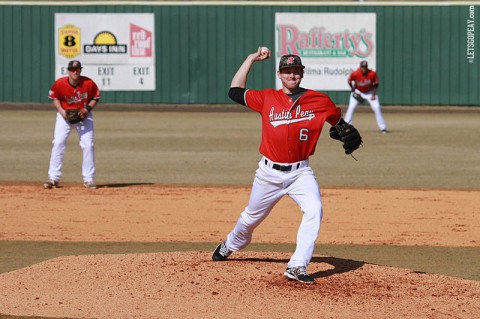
{"x": 358, "y": 97}
{"x": 73, "y": 116}
{"x": 348, "y": 134}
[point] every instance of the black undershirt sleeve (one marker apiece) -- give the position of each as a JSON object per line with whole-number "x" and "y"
{"x": 238, "y": 95}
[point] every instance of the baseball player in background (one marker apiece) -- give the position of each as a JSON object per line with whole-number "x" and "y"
{"x": 292, "y": 120}
{"x": 365, "y": 88}
{"x": 74, "y": 97}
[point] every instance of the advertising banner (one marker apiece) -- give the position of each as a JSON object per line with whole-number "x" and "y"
{"x": 117, "y": 51}
{"x": 331, "y": 45}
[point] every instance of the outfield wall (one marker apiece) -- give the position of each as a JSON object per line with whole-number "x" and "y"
{"x": 421, "y": 50}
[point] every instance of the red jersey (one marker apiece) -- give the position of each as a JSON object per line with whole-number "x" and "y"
{"x": 76, "y": 97}
{"x": 364, "y": 83}
{"x": 290, "y": 129}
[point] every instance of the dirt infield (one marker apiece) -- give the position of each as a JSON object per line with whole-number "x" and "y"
{"x": 189, "y": 285}
{"x": 153, "y": 213}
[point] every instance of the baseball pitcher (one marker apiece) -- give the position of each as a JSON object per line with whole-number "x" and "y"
{"x": 292, "y": 120}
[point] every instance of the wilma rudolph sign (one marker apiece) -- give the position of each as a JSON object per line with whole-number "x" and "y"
{"x": 331, "y": 45}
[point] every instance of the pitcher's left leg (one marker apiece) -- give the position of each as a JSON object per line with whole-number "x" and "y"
{"x": 306, "y": 193}
{"x": 85, "y": 134}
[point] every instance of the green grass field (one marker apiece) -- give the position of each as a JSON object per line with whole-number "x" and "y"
{"x": 451, "y": 261}
{"x": 423, "y": 150}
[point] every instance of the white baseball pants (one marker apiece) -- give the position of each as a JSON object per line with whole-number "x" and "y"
{"x": 375, "y": 105}
{"x": 85, "y": 134}
{"x": 268, "y": 188}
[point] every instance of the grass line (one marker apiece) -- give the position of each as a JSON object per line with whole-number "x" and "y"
{"x": 461, "y": 262}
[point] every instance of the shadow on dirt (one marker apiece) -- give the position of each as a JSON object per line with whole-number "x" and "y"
{"x": 118, "y": 185}
{"x": 340, "y": 265}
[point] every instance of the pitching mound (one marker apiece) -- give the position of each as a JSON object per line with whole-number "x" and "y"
{"x": 250, "y": 285}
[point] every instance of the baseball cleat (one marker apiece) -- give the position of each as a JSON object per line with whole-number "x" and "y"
{"x": 221, "y": 253}
{"x": 384, "y": 131}
{"x": 50, "y": 184}
{"x": 298, "y": 274}
{"x": 90, "y": 185}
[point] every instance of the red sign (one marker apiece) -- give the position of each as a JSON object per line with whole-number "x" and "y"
{"x": 140, "y": 42}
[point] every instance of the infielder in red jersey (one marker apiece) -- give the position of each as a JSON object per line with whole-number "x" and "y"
{"x": 365, "y": 88}
{"x": 73, "y": 93}
{"x": 292, "y": 120}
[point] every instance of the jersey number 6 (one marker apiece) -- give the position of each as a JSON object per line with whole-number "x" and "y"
{"x": 303, "y": 134}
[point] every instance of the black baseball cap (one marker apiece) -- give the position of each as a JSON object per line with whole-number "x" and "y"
{"x": 364, "y": 64}
{"x": 74, "y": 64}
{"x": 290, "y": 60}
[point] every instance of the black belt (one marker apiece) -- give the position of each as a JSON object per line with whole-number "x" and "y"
{"x": 282, "y": 168}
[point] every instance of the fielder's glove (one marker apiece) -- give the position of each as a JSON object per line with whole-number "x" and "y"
{"x": 358, "y": 97}
{"x": 73, "y": 116}
{"x": 348, "y": 134}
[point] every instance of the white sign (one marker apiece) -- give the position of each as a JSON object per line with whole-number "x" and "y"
{"x": 331, "y": 45}
{"x": 117, "y": 51}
